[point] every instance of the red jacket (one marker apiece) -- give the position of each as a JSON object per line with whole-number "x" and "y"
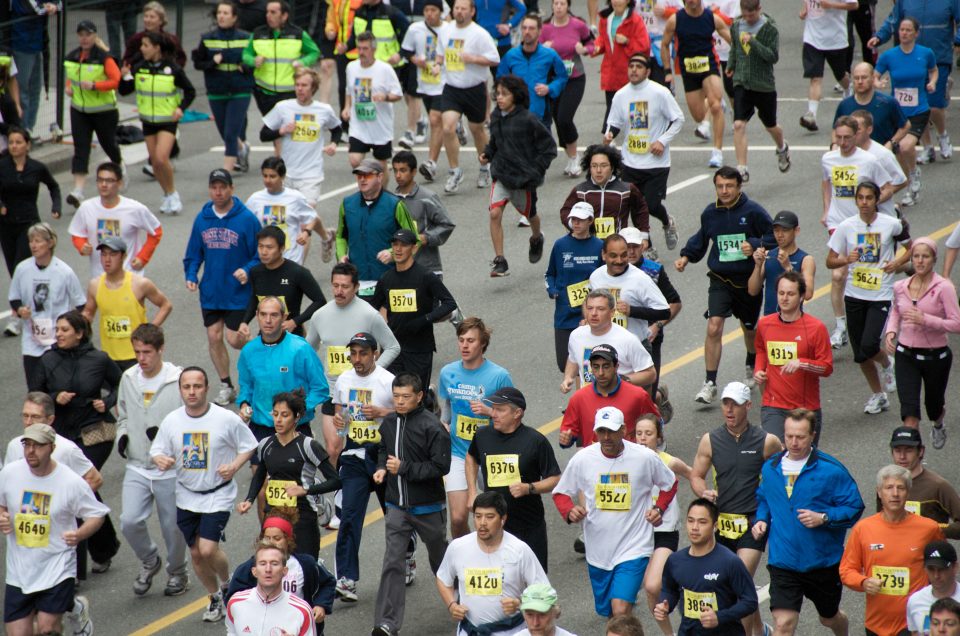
{"x": 613, "y": 69}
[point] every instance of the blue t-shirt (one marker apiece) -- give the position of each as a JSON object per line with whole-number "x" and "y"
{"x": 461, "y": 386}
{"x": 888, "y": 117}
{"x": 771, "y": 272}
{"x": 572, "y": 261}
{"x": 908, "y": 76}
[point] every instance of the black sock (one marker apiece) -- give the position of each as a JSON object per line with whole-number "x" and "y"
{"x": 712, "y": 376}
{"x": 751, "y": 359}
{"x": 226, "y": 382}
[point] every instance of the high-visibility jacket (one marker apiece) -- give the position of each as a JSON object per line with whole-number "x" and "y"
{"x": 157, "y": 95}
{"x": 280, "y": 50}
{"x": 379, "y": 20}
{"x": 90, "y": 69}
{"x": 340, "y": 20}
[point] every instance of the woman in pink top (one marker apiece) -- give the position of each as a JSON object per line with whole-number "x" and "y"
{"x": 570, "y": 37}
{"x": 923, "y": 312}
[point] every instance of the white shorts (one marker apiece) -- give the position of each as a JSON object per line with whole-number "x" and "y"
{"x": 309, "y": 188}
{"x": 456, "y": 479}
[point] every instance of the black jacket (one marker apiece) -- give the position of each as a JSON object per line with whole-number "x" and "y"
{"x": 89, "y": 373}
{"x": 220, "y": 82}
{"x": 520, "y": 149}
{"x": 422, "y": 445}
{"x": 19, "y": 190}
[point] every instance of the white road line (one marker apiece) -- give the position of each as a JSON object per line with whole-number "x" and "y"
{"x": 687, "y": 182}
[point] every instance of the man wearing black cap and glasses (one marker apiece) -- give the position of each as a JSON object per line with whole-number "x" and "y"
{"x": 785, "y": 257}
{"x": 940, "y": 563}
{"x": 518, "y": 462}
{"x": 929, "y": 495}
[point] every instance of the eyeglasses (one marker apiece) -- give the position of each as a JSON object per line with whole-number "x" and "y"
{"x": 108, "y": 180}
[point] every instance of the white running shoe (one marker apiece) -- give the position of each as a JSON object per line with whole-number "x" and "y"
{"x": 916, "y": 184}
{"x": 214, "y": 611}
{"x": 878, "y": 402}
{"x": 704, "y": 130}
{"x": 926, "y": 156}
{"x": 716, "y": 158}
{"x": 707, "y": 393}
{"x": 79, "y": 617}
{"x": 838, "y": 338}
{"x": 748, "y": 378}
{"x": 176, "y": 206}
{"x": 946, "y": 146}
{"x": 483, "y": 178}
{"x": 225, "y": 396}
{"x": 454, "y": 178}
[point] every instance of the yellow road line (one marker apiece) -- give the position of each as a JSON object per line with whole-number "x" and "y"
{"x": 546, "y": 429}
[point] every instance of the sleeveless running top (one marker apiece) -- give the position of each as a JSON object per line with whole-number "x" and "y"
{"x": 695, "y": 41}
{"x": 120, "y": 314}
{"x": 772, "y": 271}
{"x": 736, "y": 466}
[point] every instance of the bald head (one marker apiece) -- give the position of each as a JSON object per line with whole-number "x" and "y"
{"x": 862, "y": 78}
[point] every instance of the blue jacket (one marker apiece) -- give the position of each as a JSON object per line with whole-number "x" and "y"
{"x": 824, "y": 485}
{"x": 364, "y": 230}
{"x": 490, "y": 13}
{"x": 543, "y": 66}
{"x": 743, "y": 217}
{"x": 571, "y": 261}
{"x": 222, "y": 246}
{"x": 287, "y": 365}
{"x": 939, "y": 25}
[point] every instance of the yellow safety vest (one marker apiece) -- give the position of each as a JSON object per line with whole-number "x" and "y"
{"x": 89, "y": 100}
{"x": 219, "y": 45}
{"x": 157, "y": 96}
{"x": 276, "y": 72}
{"x": 382, "y": 29}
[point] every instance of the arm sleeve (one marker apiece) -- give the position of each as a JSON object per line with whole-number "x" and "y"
{"x": 269, "y": 134}
{"x": 79, "y": 242}
{"x": 342, "y": 245}
{"x": 439, "y": 224}
{"x": 47, "y": 179}
{"x": 310, "y": 53}
{"x": 111, "y": 382}
{"x": 847, "y": 505}
{"x": 258, "y": 479}
{"x": 189, "y": 92}
{"x": 150, "y": 245}
{"x": 520, "y": 10}
{"x": 889, "y": 26}
{"x": 311, "y": 288}
{"x": 445, "y": 303}
{"x": 113, "y": 76}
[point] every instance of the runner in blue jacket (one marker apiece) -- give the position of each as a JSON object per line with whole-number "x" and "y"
{"x": 537, "y": 66}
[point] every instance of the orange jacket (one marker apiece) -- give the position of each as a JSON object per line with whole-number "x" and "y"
{"x": 340, "y": 21}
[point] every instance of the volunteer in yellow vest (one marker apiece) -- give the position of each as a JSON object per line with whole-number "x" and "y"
{"x": 120, "y": 296}
{"x": 92, "y": 80}
{"x": 163, "y": 94}
{"x": 274, "y": 51}
{"x": 339, "y": 28}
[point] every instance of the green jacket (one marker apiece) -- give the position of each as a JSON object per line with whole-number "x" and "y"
{"x": 752, "y": 64}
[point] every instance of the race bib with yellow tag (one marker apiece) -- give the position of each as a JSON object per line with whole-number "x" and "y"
{"x": 697, "y": 64}
{"x": 744, "y": 43}
{"x": 277, "y": 493}
{"x": 453, "y": 55}
{"x": 467, "y": 426}
{"x": 913, "y": 506}
{"x": 868, "y": 278}
{"x": 729, "y": 247}
{"x": 604, "y": 226}
{"x": 33, "y": 531}
{"x": 338, "y": 360}
{"x": 502, "y": 470}
{"x": 577, "y": 293}
{"x": 403, "y": 300}
{"x": 893, "y": 581}
{"x": 427, "y": 76}
{"x": 779, "y": 352}
{"x": 483, "y": 581}
{"x": 618, "y": 318}
{"x": 612, "y": 492}
{"x": 731, "y": 526}
{"x": 844, "y": 180}
{"x": 696, "y": 602}
{"x": 364, "y": 432}
{"x": 117, "y": 327}
{"x": 638, "y": 144}
{"x": 306, "y": 129}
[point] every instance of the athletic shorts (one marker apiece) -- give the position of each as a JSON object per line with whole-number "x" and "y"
{"x": 432, "y": 102}
{"x": 381, "y": 152}
{"x": 456, "y": 479}
{"x": 746, "y": 540}
{"x": 206, "y": 525}
{"x": 918, "y": 123}
{"x": 822, "y": 586}
{"x": 667, "y": 539}
{"x": 623, "y": 582}
{"x": 725, "y": 300}
{"x": 694, "y": 81}
{"x": 407, "y": 76}
{"x": 152, "y": 129}
{"x": 865, "y": 322}
{"x": 813, "y": 59}
{"x": 328, "y": 408}
{"x": 524, "y": 200}
{"x": 232, "y": 318}
{"x": 745, "y": 101}
{"x": 263, "y": 432}
{"x": 471, "y": 102}
{"x": 57, "y": 600}
{"x": 772, "y": 419}
{"x": 309, "y": 188}
{"x": 938, "y": 98}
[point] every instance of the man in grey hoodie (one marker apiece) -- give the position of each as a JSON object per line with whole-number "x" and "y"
{"x": 148, "y": 392}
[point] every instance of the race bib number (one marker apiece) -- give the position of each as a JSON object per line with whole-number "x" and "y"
{"x": 907, "y": 97}
{"x": 893, "y": 581}
{"x": 453, "y": 55}
{"x": 868, "y": 278}
{"x": 728, "y": 245}
{"x": 638, "y": 144}
{"x": 779, "y": 353}
{"x": 338, "y": 360}
{"x": 467, "y": 426}
{"x": 568, "y": 65}
{"x": 604, "y": 226}
{"x": 577, "y": 293}
{"x": 427, "y": 76}
{"x": 698, "y": 64}
{"x": 618, "y": 318}
{"x": 502, "y": 470}
{"x": 614, "y": 497}
{"x": 844, "y": 180}
{"x": 306, "y": 129}
{"x": 33, "y": 531}
{"x": 366, "y": 111}
{"x": 277, "y": 493}
{"x": 483, "y": 581}
{"x": 403, "y": 300}
{"x": 42, "y": 331}
{"x": 117, "y": 327}
{"x": 731, "y": 526}
{"x": 913, "y": 506}
{"x": 363, "y": 432}
{"x": 696, "y": 602}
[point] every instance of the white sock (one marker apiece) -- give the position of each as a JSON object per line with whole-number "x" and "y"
{"x": 842, "y": 323}
{"x": 813, "y": 105}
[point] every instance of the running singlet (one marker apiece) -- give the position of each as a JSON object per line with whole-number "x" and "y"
{"x": 736, "y": 464}
{"x": 695, "y": 42}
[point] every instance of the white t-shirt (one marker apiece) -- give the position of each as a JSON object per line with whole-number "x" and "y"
{"x": 888, "y": 161}
{"x": 643, "y": 113}
{"x": 636, "y": 289}
{"x": 484, "y": 577}
{"x": 129, "y": 219}
{"x": 825, "y": 29}
{"x": 41, "y": 509}
{"x": 618, "y": 492}
{"x": 866, "y": 280}
{"x": 953, "y": 241}
{"x": 918, "y": 609}
{"x": 65, "y": 452}
{"x": 843, "y": 174}
{"x": 473, "y": 39}
{"x": 654, "y": 24}
{"x": 631, "y": 353}
{"x": 731, "y": 9}
{"x": 371, "y": 122}
{"x": 200, "y": 445}
{"x": 289, "y": 211}
{"x": 302, "y": 150}
{"x": 354, "y": 391}
{"x": 790, "y": 468}
{"x": 671, "y": 516}
{"x": 47, "y": 292}
{"x": 422, "y": 40}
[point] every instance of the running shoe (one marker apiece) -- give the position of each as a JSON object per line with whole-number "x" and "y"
{"x": 916, "y": 183}
{"x": 500, "y": 267}
{"x": 406, "y": 142}
{"x": 420, "y": 135}
{"x": 909, "y": 199}
{"x": 483, "y": 178}
{"x": 381, "y": 630}
{"x": 809, "y": 121}
{"x": 535, "y": 252}
{"x": 454, "y": 177}
{"x": 707, "y": 393}
{"x": 429, "y": 170}
{"x": 12, "y": 329}
{"x": 411, "y": 571}
{"x": 838, "y": 338}
{"x": 225, "y": 396}
{"x": 926, "y": 156}
{"x": 670, "y": 235}
{"x": 744, "y": 173}
{"x": 176, "y": 206}
{"x": 79, "y": 616}
{"x": 243, "y": 157}
{"x": 946, "y": 146}
{"x": 579, "y": 546}
{"x": 651, "y": 254}
{"x": 148, "y": 170}
{"x": 939, "y": 435}
{"x": 144, "y": 580}
{"x": 703, "y": 130}
{"x": 783, "y": 158}
{"x": 100, "y": 567}
{"x": 838, "y": 88}
{"x": 347, "y": 590}
{"x": 176, "y": 585}
{"x": 716, "y": 158}
{"x": 574, "y": 169}
{"x": 888, "y": 378}
{"x": 461, "y": 134}
{"x": 214, "y": 611}
{"x": 878, "y": 402}
{"x": 165, "y": 205}
{"x": 75, "y": 198}
{"x": 523, "y": 221}
{"x": 748, "y": 378}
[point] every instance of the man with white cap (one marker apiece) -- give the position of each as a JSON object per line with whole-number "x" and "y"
{"x": 736, "y": 450}
{"x": 573, "y": 258}
{"x": 540, "y": 611}
{"x": 615, "y": 479}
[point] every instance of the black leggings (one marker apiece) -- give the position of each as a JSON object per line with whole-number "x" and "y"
{"x": 561, "y": 340}
{"x": 929, "y": 368}
{"x": 84, "y": 125}
{"x": 608, "y": 95}
{"x": 103, "y": 545}
{"x": 566, "y": 107}
{"x": 861, "y": 19}
{"x": 342, "y": 62}
{"x": 653, "y": 184}
{"x": 14, "y": 243}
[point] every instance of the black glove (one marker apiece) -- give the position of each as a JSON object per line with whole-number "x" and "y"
{"x": 122, "y": 445}
{"x": 152, "y": 432}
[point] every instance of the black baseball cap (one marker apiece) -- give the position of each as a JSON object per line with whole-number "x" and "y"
{"x": 363, "y": 339}
{"x": 114, "y": 243}
{"x": 86, "y": 25}
{"x": 403, "y": 235}
{"x": 906, "y": 436}
{"x": 606, "y": 352}
{"x": 508, "y": 395}
{"x": 939, "y": 554}
{"x": 787, "y": 219}
{"x": 220, "y": 175}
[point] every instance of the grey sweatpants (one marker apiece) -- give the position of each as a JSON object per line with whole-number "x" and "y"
{"x": 139, "y": 495}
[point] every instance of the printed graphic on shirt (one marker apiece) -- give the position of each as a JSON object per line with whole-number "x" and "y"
{"x": 430, "y": 54}
{"x": 363, "y": 96}
{"x": 361, "y": 430}
{"x": 196, "y": 447}
{"x": 148, "y": 397}
{"x": 613, "y": 492}
{"x": 32, "y": 522}
{"x": 453, "y": 55}
{"x": 107, "y": 228}
{"x": 789, "y": 478}
{"x": 638, "y": 139}
{"x": 275, "y": 215}
{"x": 41, "y": 293}
{"x": 306, "y": 129}
{"x": 868, "y": 243}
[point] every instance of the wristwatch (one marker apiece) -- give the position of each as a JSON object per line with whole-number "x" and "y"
{"x": 658, "y": 509}
{"x": 532, "y": 489}
{"x": 824, "y": 518}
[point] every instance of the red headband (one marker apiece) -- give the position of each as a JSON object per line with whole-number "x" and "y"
{"x": 281, "y": 524}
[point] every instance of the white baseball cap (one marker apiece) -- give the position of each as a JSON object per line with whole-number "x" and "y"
{"x": 609, "y": 417}
{"x": 633, "y": 236}
{"x": 736, "y": 391}
{"x": 580, "y": 210}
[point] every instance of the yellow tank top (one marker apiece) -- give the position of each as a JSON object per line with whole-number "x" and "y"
{"x": 120, "y": 314}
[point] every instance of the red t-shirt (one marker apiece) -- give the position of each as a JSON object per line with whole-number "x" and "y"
{"x": 632, "y": 400}
{"x": 777, "y": 343}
